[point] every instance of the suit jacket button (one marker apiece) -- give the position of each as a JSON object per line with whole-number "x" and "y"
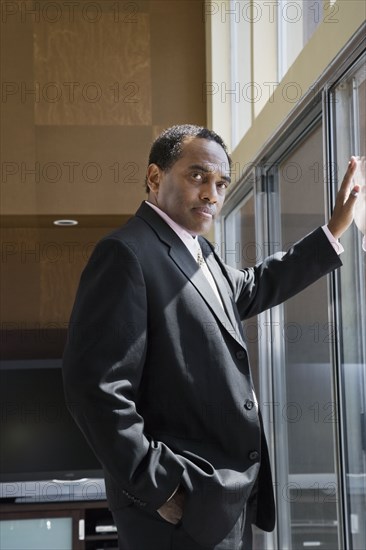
{"x": 253, "y": 455}
{"x": 240, "y": 354}
{"x": 248, "y": 404}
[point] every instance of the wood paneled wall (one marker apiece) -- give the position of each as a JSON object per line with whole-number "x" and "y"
{"x": 86, "y": 87}
{"x": 85, "y": 90}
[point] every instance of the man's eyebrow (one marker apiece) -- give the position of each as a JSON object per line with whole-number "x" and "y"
{"x": 207, "y": 171}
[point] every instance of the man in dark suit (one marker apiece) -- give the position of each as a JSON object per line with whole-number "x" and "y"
{"x": 156, "y": 369}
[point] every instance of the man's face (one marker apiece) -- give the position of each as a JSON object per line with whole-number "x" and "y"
{"x": 192, "y": 191}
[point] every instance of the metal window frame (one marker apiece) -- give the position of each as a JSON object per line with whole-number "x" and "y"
{"x": 314, "y": 104}
{"x": 329, "y": 118}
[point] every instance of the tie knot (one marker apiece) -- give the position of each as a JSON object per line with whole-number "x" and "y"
{"x": 200, "y": 258}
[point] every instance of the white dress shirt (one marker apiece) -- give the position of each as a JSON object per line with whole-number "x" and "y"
{"x": 193, "y": 245}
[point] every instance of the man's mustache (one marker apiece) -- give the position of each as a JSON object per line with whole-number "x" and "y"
{"x": 207, "y": 209}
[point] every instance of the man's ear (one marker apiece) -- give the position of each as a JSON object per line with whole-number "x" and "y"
{"x": 153, "y": 178}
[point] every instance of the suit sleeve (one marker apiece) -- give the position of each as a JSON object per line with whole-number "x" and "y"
{"x": 281, "y": 276}
{"x": 102, "y": 368}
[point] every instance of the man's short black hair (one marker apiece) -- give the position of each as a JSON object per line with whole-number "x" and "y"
{"x": 167, "y": 148}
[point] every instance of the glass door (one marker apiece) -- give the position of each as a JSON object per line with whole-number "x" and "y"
{"x": 243, "y": 248}
{"x": 243, "y": 252}
{"x": 348, "y": 120}
{"x": 308, "y": 355}
{"x": 304, "y": 407}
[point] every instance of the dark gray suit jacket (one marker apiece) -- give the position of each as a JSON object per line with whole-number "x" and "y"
{"x": 157, "y": 375}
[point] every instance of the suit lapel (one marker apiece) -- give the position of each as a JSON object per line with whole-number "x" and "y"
{"x": 223, "y": 287}
{"x": 194, "y": 273}
{"x": 183, "y": 259}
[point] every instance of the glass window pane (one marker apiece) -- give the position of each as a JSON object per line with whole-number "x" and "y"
{"x": 297, "y": 20}
{"x": 349, "y": 122}
{"x": 305, "y": 416}
{"x": 242, "y": 251}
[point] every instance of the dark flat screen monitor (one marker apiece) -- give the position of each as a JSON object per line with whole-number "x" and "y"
{"x": 39, "y": 438}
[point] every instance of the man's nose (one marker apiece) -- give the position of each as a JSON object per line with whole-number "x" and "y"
{"x": 208, "y": 192}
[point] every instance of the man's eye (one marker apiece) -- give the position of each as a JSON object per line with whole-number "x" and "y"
{"x": 222, "y": 185}
{"x": 197, "y": 176}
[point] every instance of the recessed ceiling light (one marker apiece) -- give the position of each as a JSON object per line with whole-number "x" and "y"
{"x": 65, "y": 223}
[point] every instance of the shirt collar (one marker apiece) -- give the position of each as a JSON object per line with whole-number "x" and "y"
{"x": 190, "y": 241}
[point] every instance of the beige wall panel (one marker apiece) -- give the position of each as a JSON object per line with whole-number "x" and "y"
{"x": 66, "y": 252}
{"x": 40, "y": 273}
{"x": 71, "y": 155}
{"x": 45, "y": 136}
{"x": 20, "y": 278}
{"x": 178, "y": 62}
{"x": 17, "y": 107}
{"x": 93, "y": 73}
{"x": 95, "y": 170}
{"x": 157, "y": 130}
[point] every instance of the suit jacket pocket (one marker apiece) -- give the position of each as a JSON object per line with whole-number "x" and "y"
{"x": 216, "y": 492}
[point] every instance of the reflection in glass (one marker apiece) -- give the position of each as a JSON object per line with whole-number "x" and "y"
{"x": 349, "y": 121}
{"x": 305, "y": 418}
{"x": 242, "y": 251}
